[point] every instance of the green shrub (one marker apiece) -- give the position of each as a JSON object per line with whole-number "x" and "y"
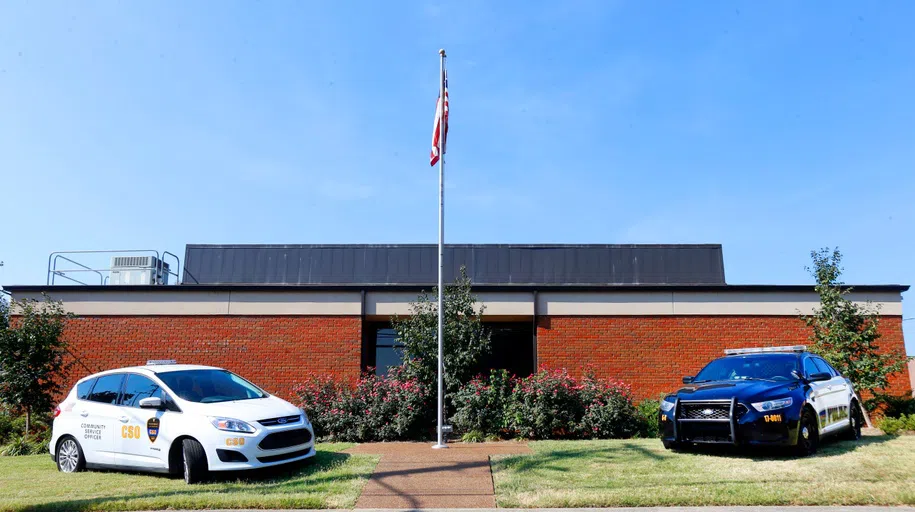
{"x": 648, "y": 418}
{"x": 897, "y": 406}
{"x": 482, "y": 406}
{"x": 6, "y": 427}
{"x": 473, "y": 436}
{"x": 375, "y": 409}
{"x": 896, "y": 426}
{"x": 20, "y": 445}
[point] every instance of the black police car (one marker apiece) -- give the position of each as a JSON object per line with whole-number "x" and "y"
{"x": 774, "y": 396}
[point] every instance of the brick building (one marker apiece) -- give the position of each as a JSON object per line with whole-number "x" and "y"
{"x": 645, "y": 314}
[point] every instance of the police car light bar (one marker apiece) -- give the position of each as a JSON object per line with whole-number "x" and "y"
{"x": 154, "y": 362}
{"x": 760, "y": 350}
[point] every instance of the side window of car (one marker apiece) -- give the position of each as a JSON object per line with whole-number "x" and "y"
{"x": 809, "y": 367}
{"x": 106, "y": 389}
{"x": 137, "y": 388}
{"x": 823, "y": 366}
{"x": 83, "y": 389}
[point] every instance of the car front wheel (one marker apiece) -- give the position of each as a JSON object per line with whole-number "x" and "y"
{"x": 194, "y": 462}
{"x": 808, "y": 437}
{"x": 855, "y": 421}
{"x": 70, "y": 458}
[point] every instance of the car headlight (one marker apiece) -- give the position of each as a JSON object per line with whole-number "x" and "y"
{"x": 771, "y": 405}
{"x": 232, "y": 425}
{"x": 667, "y": 406}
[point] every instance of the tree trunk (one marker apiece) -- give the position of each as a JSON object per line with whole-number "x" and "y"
{"x": 28, "y": 420}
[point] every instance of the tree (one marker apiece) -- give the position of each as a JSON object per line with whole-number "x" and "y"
{"x": 845, "y": 333}
{"x": 466, "y": 338}
{"x": 32, "y": 356}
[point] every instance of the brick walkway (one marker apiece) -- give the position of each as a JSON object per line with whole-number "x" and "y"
{"x": 413, "y": 475}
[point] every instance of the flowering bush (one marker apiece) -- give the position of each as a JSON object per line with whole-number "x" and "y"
{"x": 609, "y": 411}
{"x": 547, "y": 405}
{"x": 375, "y": 409}
{"x": 481, "y": 405}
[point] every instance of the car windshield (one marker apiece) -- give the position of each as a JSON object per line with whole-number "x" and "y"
{"x": 750, "y": 367}
{"x": 209, "y": 386}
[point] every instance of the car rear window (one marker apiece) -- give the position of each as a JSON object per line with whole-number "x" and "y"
{"x": 106, "y": 389}
{"x": 83, "y": 388}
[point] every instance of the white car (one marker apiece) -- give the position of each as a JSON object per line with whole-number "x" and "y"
{"x": 174, "y": 418}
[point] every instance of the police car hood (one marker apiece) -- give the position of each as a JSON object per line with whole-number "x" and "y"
{"x": 748, "y": 390}
{"x": 250, "y": 410}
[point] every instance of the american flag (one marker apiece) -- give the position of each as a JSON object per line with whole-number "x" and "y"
{"x": 434, "y": 155}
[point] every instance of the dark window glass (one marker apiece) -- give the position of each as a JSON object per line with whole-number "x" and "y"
{"x": 137, "y": 388}
{"x": 388, "y": 351}
{"x": 810, "y": 367}
{"x": 823, "y": 366}
{"x": 107, "y": 388}
{"x": 83, "y": 388}
{"x": 766, "y": 367}
{"x": 208, "y": 386}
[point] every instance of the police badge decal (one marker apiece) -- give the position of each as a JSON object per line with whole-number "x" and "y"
{"x": 152, "y": 429}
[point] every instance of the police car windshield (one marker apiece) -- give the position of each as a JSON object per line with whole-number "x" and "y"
{"x": 776, "y": 367}
{"x": 210, "y": 386}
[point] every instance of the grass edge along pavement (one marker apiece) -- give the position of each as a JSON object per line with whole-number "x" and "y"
{"x": 878, "y": 470}
{"x": 331, "y": 480}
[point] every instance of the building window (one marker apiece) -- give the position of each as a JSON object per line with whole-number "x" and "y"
{"x": 388, "y": 351}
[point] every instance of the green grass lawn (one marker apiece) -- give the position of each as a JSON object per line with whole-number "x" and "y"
{"x": 878, "y": 470}
{"x": 332, "y": 480}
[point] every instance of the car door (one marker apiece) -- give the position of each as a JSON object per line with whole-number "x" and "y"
{"x": 98, "y": 421}
{"x": 837, "y": 398}
{"x": 819, "y": 393}
{"x": 144, "y": 435}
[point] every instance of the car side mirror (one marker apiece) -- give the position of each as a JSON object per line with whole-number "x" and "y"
{"x": 797, "y": 375}
{"x": 688, "y": 379}
{"x": 816, "y": 377}
{"x": 152, "y": 402}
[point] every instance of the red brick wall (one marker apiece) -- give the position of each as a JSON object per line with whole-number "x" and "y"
{"x": 274, "y": 352}
{"x": 654, "y": 353}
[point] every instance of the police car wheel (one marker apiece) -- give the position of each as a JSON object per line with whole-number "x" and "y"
{"x": 671, "y": 445}
{"x": 70, "y": 457}
{"x": 855, "y": 421}
{"x": 808, "y": 437}
{"x": 194, "y": 462}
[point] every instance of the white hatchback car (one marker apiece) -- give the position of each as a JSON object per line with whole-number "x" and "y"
{"x": 174, "y": 418}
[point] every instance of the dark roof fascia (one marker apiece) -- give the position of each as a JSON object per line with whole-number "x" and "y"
{"x": 496, "y": 288}
{"x": 370, "y": 246}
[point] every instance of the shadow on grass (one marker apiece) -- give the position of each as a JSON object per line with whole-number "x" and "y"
{"x": 829, "y": 447}
{"x": 557, "y": 460}
{"x": 276, "y": 479}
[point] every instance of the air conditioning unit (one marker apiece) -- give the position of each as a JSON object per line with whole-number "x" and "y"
{"x": 138, "y": 270}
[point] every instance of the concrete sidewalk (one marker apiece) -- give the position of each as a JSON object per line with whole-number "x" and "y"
{"x": 414, "y": 476}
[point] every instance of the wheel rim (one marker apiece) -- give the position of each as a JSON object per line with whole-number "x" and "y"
{"x": 806, "y": 433}
{"x": 68, "y": 458}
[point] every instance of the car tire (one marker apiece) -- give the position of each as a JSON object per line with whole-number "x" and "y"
{"x": 855, "y": 422}
{"x": 671, "y": 445}
{"x": 808, "y": 435}
{"x": 69, "y": 455}
{"x": 194, "y": 462}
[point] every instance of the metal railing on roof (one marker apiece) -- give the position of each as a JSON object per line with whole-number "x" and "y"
{"x": 103, "y": 274}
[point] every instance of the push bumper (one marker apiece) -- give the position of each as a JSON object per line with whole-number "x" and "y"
{"x": 729, "y": 423}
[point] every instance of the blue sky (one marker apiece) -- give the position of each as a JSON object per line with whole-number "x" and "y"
{"x": 770, "y": 127}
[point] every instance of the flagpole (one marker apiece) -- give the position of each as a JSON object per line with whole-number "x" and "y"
{"x": 441, "y": 252}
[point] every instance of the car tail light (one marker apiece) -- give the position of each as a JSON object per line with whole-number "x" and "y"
{"x": 57, "y": 411}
